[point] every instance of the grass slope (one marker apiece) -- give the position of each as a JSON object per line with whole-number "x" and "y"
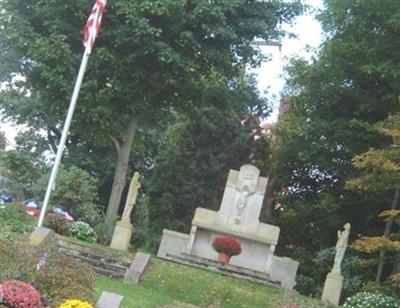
{"x": 167, "y": 284}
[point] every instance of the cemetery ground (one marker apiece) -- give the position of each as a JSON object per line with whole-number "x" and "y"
{"x": 164, "y": 284}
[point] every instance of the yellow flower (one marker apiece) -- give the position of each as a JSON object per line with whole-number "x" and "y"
{"x": 75, "y": 303}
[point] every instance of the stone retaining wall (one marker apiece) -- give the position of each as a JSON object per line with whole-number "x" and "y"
{"x": 102, "y": 261}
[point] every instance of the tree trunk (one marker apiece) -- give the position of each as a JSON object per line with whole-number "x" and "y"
{"x": 388, "y": 227}
{"x": 269, "y": 200}
{"x": 123, "y": 150}
{"x": 285, "y": 108}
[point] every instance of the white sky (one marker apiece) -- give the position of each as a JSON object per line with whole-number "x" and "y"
{"x": 308, "y": 33}
{"x": 270, "y": 75}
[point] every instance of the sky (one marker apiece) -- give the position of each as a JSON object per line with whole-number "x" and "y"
{"x": 270, "y": 76}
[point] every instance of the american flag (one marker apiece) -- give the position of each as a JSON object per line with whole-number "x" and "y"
{"x": 92, "y": 26}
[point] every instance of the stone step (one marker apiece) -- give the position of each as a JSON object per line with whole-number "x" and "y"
{"x": 108, "y": 273}
{"x": 94, "y": 258}
{"x": 103, "y": 262}
{"x": 94, "y": 252}
{"x": 228, "y": 267}
{"x": 228, "y": 270}
{"x": 95, "y": 262}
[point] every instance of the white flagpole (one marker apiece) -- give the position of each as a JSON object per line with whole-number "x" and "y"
{"x": 61, "y": 145}
{"x": 67, "y": 124}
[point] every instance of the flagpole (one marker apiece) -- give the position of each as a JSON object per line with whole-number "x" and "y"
{"x": 64, "y": 135}
{"x": 71, "y": 109}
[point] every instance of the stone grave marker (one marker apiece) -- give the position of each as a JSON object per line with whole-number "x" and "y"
{"x": 136, "y": 270}
{"x": 109, "y": 300}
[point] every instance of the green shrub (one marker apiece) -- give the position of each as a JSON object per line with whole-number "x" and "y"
{"x": 101, "y": 231}
{"x": 381, "y": 288}
{"x": 57, "y": 223}
{"x": 56, "y": 276}
{"x": 306, "y": 285}
{"x": 76, "y": 191}
{"x": 88, "y": 212}
{"x": 15, "y": 217}
{"x": 82, "y": 231}
{"x": 13, "y": 263}
{"x": 369, "y": 299}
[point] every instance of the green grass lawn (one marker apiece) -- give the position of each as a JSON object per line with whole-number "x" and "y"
{"x": 167, "y": 282}
{"x": 170, "y": 285}
{"x": 174, "y": 285}
{"x": 134, "y": 296}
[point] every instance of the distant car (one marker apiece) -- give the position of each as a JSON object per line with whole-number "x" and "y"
{"x": 33, "y": 206}
{"x": 33, "y": 203}
{"x": 7, "y": 198}
{"x": 59, "y": 210}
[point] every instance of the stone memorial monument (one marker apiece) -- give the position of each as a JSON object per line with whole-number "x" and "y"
{"x": 238, "y": 217}
{"x": 123, "y": 229}
{"x": 334, "y": 280}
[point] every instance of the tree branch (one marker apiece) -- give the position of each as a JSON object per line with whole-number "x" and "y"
{"x": 116, "y": 144}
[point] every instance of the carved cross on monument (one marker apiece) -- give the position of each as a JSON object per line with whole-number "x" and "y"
{"x": 247, "y": 186}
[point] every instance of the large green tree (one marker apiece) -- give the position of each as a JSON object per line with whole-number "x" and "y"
{"x": 23, "y": 164}
{"x": 150, "y": 56}
{"x": 380, "y": 176}
{"x": 196, "y": 154}
{"x": 336, "y": 99}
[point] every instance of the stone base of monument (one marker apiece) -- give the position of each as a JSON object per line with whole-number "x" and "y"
{"x": 41, "y": 236}
{"x": 332, "y": 288}
{"x": 225, "y": 269}
{"x": 282, "y": 271}
{"x": 122, "y": 236}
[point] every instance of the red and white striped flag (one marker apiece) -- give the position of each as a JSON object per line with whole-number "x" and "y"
{"x": 92, "y": 26}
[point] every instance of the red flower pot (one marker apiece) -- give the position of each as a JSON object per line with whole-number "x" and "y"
{"x": 223, "y": 258}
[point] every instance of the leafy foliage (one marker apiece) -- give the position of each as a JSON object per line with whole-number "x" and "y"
{"x": 376, "y": 243}
{"x": 195, "y": 156}
{"x": 175, "y": 47}
{"x": 380, "y": 172}
{"x": 57, "y": 223}
{"x": 21, "y": 170}
{"x": 339, "y": 99}
{"x": 82, "y": 231}
{"x": 76, "y": 191}
{"x": 15, "y": 217}
{"x": 366, "y": 299}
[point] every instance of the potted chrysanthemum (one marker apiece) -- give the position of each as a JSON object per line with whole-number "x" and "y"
{"x": 227, "y": 247}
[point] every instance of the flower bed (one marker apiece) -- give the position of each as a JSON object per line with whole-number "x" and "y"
{"x": 19, "y": 294}
{"x": 75, "y": 303}
{"x": 56, "y": 276}
{"x": 369, "y": 299}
